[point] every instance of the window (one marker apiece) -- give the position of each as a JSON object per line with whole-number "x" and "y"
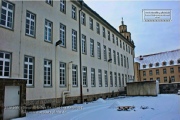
{"x": 114, "y": 54}
{"x": 164, "y": 71}
{"x": 50, "y": 2}
{"x": 74, "y": 40}
{"x": 172, "y": 70}
{"x": 63, "y": 6}
{"x": 172, "y": 79}
{"x": 123, "y": 46}
{"x": 158, "y": 79}
{"x": 121, "y": 60}
{"x": 144, "y": 66}
{"x": 144, "y": 73}
{"x": 109, "y": 35}
{"x": 92, "y": 47}
{"x": 157, "y": 72}
{"x": 7, "y": 15}
{"x": 84, "y": 76}
{"x": 178, "y": 69}
{"x": 5, "y": 59}
{"x": 74, "y": 75}
{"x": 126, "y": 78}
{"x": 164, "y": 63}
{"x": 117, "y": 41}
{"x": 118, "y": 58}
{"x": 47, "y": 72}
{"x": 100, "y": 77}
{"x": 120, "y": 44}
{"x": 83, "y": 18}
{"x": 63, "y": 35}
{"x": 125, "y": 61}
{"x": 111, "y": 79}
{"x": 30, "y": 23}
{"x": 115, "y": 78}
{"x": 97, "y": 28}
{"x": 48, "y": 31}
{"x": 165, "y": 79}
{"x": 92, "y": 77}
{"x": 62, "y": 74}
{"x": 104, "y": 32}
{"x": 83, "y": 44}
{"x": 123, "y": 80}
{"x": 99, "y": 50}
{"x": 150, "y": 72}
{"x": 110, "y": 53}
{"x": 151, "y": 79}
{"x": 106, "y": 78}
{"x": 113, "y": 38}
{"x": 119, "y": 76}
{"x": 171, "y": 62}
{"x": 126, "y": 47}
{"x": 91, "y": 23}
{"x": 150, "y": 65}
{"x": 105, "y": 53}
{"x": 178, "y": 61}
{"x": 73, "y": 12}
{"x": 29, "y": 70}
{"x": 157, "y": 64}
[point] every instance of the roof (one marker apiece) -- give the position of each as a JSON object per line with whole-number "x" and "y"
{"x": 115, "y": 30}
{"x": 161, "y": 57}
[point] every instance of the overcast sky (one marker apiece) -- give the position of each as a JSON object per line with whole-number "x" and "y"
{"x": 149, "y": 37}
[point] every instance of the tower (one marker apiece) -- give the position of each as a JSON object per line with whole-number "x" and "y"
{"x": 124, "y": 32}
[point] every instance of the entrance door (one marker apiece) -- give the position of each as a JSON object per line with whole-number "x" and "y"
{"x": 12, "y": 98}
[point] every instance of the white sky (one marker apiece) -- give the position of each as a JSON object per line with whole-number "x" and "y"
{"x": 149, "y": 37}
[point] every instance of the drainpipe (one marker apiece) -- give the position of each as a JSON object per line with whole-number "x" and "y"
{"x": 80, "y": 63}
{"x": 69, "y": 84}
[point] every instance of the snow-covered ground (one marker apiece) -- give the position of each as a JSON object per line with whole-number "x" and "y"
{"x": 162, "y": 107}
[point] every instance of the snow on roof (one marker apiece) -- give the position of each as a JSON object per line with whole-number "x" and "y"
{"x": 162, "y": 58}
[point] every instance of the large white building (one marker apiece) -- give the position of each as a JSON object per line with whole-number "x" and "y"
{"x": 29, "y": 31}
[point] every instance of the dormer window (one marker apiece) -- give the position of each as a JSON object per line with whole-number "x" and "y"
{"x": 157, "y": 64}
{"x": 171, "y": 62}
{"x": 164, "y": 63}
{"x": 144, "y": 66}
{"x": 150, "y": 65}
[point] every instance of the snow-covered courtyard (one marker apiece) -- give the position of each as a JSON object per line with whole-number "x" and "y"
{"x": 162, "y": 107}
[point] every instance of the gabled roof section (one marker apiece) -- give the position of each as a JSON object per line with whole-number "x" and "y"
{"x": 161, "y": 57}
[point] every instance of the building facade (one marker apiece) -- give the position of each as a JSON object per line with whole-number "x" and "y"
{"x": 40, "y": 42}
{"x": 164, "y": 67}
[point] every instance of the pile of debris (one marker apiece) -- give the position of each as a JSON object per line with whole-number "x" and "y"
{"x": 125, "y": 108}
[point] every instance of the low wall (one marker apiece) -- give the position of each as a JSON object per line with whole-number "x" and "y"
{"x": 169, "y": 88}
{"x": 143, "y": 88}
{"x": 57, "y": 102}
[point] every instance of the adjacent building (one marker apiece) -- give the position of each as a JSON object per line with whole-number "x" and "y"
{"x": 163, "y": 66}
{"x": 40, "y": 41}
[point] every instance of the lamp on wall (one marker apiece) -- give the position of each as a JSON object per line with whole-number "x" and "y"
{"x": 58, "y": 42}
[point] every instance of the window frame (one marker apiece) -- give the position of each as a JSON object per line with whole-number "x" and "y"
{"x": 98, "y": 50}
{"x": 83, "y": 44}
{"x": 9, "y": 10}
{"x": 73, "y": 12}
{"x": 93, "y": 80}
{"x": 106, "y": 78}
{"x": 63, "y": 6}
{"x": 50, "y": 2}
{"x": 90, "y": 23}
{"x": 62, "y": 35}
{"x": 100, "y": 77}
{"x": 83, "y": 18}
{"x": 30, "y": 21}
{"x": 84, "y": 75}
{"x": 74, "y": 75}
{"x": 97, "y": 28}
{"x": 47, "y": 66}
{"x": 28, "y": 69}
{"x": 105, "y": 52}
{"x": 46, "y": 32}
{"x": 74, "y": 40}
{"x": 4, "y": 60}
{"x": 62, "y": 67}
